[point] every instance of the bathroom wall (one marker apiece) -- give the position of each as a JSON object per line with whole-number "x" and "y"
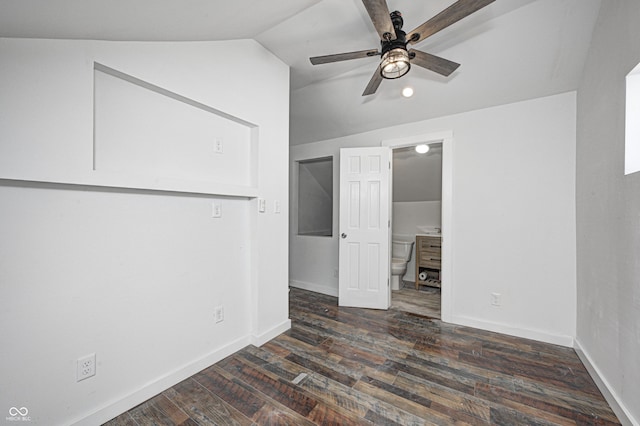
{"x": 608, "y": 213}
{"x": 513, "y": 216}
{"x": 130, "y": 265}
{"x": 408, "y": 218}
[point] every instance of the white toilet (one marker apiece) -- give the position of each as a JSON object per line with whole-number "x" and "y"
{"x": 400, "y": 256}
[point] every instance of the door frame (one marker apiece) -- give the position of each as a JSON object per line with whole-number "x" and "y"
{"x": 447, "y": 277}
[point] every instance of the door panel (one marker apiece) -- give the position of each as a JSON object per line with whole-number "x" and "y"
{"x": 364, "y": 227}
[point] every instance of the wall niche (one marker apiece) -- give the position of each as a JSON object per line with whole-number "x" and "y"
{"x": 147, "y": 132}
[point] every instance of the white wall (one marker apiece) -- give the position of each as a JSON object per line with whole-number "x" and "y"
{"x": 109, "y": 262}
{"x": 513, "y": 216}
{"x": 417, "y": 177}
{"x": 409, "y": 216}
{"x": 608, "y": 213}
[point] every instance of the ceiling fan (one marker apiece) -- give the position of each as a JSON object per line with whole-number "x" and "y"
{"x": 396, "y": 59}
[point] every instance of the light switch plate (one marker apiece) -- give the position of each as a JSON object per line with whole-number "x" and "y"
{"x": 262, "y": 205}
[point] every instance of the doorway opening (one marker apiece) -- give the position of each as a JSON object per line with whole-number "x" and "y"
{"x": 416, "y": 229}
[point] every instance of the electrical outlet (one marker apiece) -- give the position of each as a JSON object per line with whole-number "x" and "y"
{"x": 496, "y": 299}
{"x": 86, "y": 367}
{"x": 216, "y": 210}
{"x": 218, "y": 146}
{"x": 219, "y": 314}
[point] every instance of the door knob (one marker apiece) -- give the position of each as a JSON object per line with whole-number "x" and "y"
{"x": 343, "y": 235}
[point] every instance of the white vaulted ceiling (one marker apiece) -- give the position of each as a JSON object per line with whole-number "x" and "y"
{"x": 509, "y": 51}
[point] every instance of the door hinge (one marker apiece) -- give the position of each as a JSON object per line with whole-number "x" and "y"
{"x": 389, "y": 223}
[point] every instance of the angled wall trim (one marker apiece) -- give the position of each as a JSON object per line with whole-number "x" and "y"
{"x": 138, "y": 82}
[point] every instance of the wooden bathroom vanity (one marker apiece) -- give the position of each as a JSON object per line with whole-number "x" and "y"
{"x": 428, "y": 259}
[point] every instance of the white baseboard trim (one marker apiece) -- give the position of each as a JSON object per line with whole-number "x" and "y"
{"x": 126, "y": 403}
{"x": 556, "y": 339}
{"x": 261, "y": 339}
{"x": 625, "y": 417}
{"x": 318, "y": 288}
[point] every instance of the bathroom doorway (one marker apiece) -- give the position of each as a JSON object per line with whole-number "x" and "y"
{"x": 417, "y": 218}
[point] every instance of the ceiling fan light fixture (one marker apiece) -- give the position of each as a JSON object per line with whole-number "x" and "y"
{"x": 395, "y": 63}
{"x": 393, "y": 41}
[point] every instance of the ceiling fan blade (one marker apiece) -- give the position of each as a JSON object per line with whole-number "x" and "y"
{"x": 379, "y": 14}
{"x": 434, "y": 63}
{"x": 316, "y": 60}
{"x": 449, "y": 16}
{"x": 374, "y": 83}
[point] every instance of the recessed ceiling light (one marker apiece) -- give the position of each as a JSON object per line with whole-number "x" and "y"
{"x": 422, "y": 149}
{"x": 407, "y": 92}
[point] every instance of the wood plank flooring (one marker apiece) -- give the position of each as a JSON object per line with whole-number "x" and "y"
{"x": 347, "y": 366}
{"x": 425, "y": 301}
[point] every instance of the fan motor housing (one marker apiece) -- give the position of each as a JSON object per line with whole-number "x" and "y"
{"x": 401, "y": 36}
{"x": 396, "y": 19}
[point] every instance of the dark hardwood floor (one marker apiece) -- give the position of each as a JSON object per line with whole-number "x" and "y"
{"x": 425, "y": 301}
{"x": 343, "y": 366}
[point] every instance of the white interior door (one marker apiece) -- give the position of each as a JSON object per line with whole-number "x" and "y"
{"x": 364, "y": 228}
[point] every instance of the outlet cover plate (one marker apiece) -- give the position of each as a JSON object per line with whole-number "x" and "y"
{"x": 216, "y": 210}
{"x": 219, "y": 314}
{"x": 496, "y": 299}
{"x": 218, "y": 146}
{"x": 86, "y": 367}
